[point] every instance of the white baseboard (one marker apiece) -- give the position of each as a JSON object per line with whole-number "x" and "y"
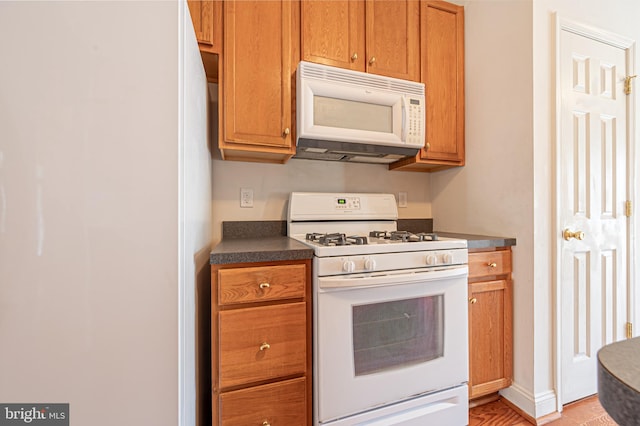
{"x": 536, "y": 406}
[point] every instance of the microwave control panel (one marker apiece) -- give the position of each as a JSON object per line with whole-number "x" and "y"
{"x": 416, "y": 120}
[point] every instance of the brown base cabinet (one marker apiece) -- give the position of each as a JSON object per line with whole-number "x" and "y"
{"x": 261, "y": 343}
{"x": 490, "y": 321}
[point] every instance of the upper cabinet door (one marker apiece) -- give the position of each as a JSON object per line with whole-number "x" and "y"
{"x": 442, "y": 26}
{"x": 333, "y": 33}
{"x": 207, "y": 23}
{"x": 393, "y": 38}
{"x": 260, "y": 54}
{"x": 442, "y": 72}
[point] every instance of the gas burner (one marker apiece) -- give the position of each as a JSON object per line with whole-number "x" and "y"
{"x": 357, "y": 240}
{"x": 313, "y": 236}
{"x": 379, "y": 234}
{"x": 404, "y": 236}
{"x": 427, "y": 236}
{"x": 336, "y": 239}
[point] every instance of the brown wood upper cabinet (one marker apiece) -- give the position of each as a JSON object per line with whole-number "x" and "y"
{"x": 207, "y": 23}
{"x": 375, "y": 36}
{"x": 261, "y": 52}
{"x": 442, "y": 70}
{"x": 206, "y": 16}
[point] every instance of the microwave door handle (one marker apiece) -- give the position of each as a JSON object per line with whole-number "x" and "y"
{"x": 403, "y": 134}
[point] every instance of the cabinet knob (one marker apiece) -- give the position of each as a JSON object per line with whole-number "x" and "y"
{"x": 264, "y": 285}
{"x": 266, "y": 423}
{"x": 354, "y": 56}
{"x": 264, "y": 346}
{"x": 427, "y": 146}
{"x": 286, "y": 132}
{"x": 473, "y": 300}
{"x": 492, "y": 264}
{"x": 372, "y": 60}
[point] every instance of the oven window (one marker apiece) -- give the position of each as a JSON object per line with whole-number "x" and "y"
{"x": 398, "y": 333}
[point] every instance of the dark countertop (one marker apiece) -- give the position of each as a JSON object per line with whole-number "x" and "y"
{"x": 619, "y": 380}
{"x": 266, "y": 241}
{"x": 267, "y": 249}
{"x": 480, "y": 241}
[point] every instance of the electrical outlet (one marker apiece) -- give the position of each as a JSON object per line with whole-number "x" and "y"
{"x": 402, "y": 199}
{"x": 246, "y": 197}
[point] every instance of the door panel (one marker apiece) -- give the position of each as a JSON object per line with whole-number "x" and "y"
{"x": 392, "y": 38}
{"x": 593, "y": 190}
{"x": 333, "y": 33}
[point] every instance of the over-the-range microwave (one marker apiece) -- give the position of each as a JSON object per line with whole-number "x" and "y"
{"x": 345, "y": 115}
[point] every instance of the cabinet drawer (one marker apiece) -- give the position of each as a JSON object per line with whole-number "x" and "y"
{"x": 489, "y": 263}
{"x": 247, "y": 285}
{"x": 262, "y": 343}
{"x": 281, "y": 403}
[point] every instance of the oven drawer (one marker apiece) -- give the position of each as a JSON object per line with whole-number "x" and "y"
{"x": 488, "y": 263}
{"x": 282, "y": 403}
{"x": 262, "y": 343}
{"x": 247, "y": 285}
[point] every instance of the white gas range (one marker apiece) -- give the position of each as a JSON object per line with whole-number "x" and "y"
{"x": 390, "y": 314}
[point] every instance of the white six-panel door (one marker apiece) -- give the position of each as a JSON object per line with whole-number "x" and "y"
{"x": 593, "y": 183}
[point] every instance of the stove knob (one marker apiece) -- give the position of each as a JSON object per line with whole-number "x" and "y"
{"x": 370, "y": 265}
{"x": 349, "y": 266}
{"x": 447, "y": 258}
{"x": 432, "y": 259}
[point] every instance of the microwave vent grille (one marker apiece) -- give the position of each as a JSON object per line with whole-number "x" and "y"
{"x": 322, "y": 72}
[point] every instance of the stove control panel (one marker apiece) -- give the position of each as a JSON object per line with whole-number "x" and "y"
{"x": 347, "y": 203}
{"x": 354, "y": 264}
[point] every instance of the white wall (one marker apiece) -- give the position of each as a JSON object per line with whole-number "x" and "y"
{"x": 272, "y": 183}
{"x": 89, "y": 197}
{"x": 493, "y": 193}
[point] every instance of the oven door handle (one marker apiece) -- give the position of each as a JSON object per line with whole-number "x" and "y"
{"x": 390, "y": 278}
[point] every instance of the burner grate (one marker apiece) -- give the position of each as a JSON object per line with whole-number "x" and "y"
{"x": 336, "y": 239}
{"x": 404, "y": 236}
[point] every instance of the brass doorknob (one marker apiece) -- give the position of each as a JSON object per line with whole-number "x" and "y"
{"x": 567, "y": 235}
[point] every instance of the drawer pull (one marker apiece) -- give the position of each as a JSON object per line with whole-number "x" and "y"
{"x": 473, "y": 300}
{"x": 492, "y": 264}
{"x": 264, "y": 285}
{"x": 266, "y": 423}
{"x": 264, "y": 346}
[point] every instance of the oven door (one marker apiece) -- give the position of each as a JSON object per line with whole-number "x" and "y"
{"x": 382, "y": 339}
